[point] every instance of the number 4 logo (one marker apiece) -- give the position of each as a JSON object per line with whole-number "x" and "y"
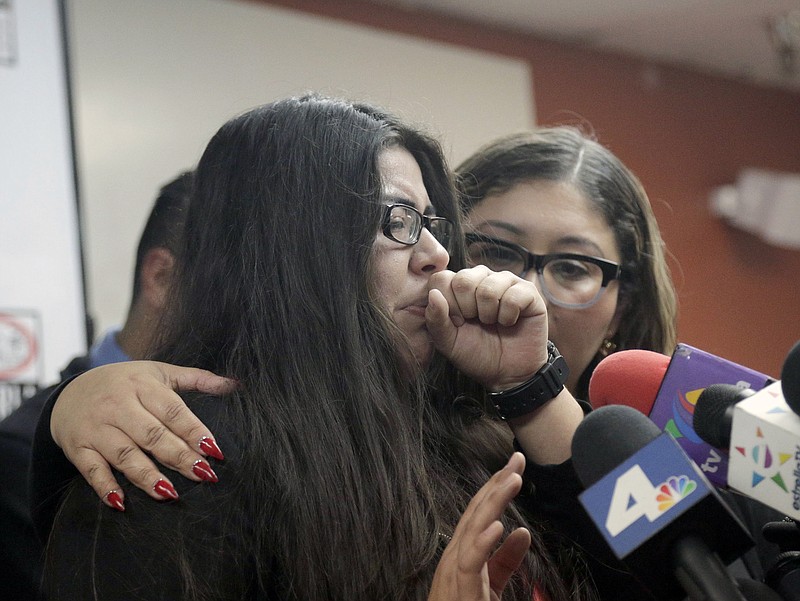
{"x": 635, "y": 496}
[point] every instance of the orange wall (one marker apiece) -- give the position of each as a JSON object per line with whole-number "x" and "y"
{"x": 683, "y": 133}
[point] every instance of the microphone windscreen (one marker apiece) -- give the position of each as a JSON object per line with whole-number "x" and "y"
{"x": 709, "y": 420}
{"x": 630, "y": 377}
{"x": 607, "y": 437}
{"x": 790, "y": 378}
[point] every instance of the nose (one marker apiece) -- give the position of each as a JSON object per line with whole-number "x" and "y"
{"x": 533, "y": 277}
{"x": 429, "y": 255}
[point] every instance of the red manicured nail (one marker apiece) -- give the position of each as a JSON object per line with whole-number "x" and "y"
{"x": 203, "y": 471}
{"x": 209, "y": 446}
{"x": 113, "y": 499}
{"x": 165, "y": 489}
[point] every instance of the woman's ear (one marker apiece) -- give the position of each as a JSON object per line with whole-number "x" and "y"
{"x": 155, "y": 276}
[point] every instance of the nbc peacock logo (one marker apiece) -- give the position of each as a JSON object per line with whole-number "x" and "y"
{"x": 673, "y": 490}
{"x": 635, "y": 496}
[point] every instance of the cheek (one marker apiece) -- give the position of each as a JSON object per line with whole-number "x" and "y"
{"x": 386, "y": 276}
{"x": 579, "y": 333}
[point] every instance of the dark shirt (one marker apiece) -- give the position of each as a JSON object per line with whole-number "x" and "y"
{"x": 128, "y": 542}
{"x": 20, "y": 547}
{"x": 137, "y": 548}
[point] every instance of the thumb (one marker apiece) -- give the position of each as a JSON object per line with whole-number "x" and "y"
{"x": 440, "y": 326}
{"x": 191, "y": 378}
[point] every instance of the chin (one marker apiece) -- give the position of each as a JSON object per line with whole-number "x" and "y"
{"x": 422, "y": 353}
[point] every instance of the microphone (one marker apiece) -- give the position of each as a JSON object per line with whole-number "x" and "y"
{"x": 713, "y": 413}
{"x": 763, "y": 437}
{"x": 784, "y": 576}
{"x": 631, "y": 377}
{"x": 790, "y": 378}
{"x": 756, "y": 426}
{"x": 651, "y": 503}
{"x": 666, "y": 390}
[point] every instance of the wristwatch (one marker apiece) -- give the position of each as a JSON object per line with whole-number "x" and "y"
{"x": 544, "y": 386}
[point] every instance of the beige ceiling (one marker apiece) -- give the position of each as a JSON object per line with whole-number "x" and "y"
{"x": 727, "y": 37}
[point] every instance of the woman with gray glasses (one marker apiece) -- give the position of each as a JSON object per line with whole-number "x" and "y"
{"x": 557, "y": 208}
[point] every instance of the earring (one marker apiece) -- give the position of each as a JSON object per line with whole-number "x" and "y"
{"x": 607, "y": 347}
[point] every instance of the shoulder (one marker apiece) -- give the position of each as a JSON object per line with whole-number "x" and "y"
{"x": 21, "y": 423}
{"x": 161, "y": 545}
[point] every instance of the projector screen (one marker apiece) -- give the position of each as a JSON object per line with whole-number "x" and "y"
{"x": 154, "y": 79}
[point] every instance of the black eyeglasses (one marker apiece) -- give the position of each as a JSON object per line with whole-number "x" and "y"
{"x": 567, "y": 280}
{"x": 404, "y": 224}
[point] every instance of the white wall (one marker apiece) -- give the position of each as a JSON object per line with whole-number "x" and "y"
{"x": 154, "y": 79}
{"x": 41, "y": 294}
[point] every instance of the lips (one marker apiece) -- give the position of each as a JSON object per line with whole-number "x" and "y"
{"x": 417, "y": 307}
{"x": 416, "y": 310}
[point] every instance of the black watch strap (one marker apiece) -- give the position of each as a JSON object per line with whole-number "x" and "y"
{"x": 544, "y": 386}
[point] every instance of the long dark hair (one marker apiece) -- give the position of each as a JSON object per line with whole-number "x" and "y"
{"x": 565, "y": 154}
{"x": 353, "y": 474}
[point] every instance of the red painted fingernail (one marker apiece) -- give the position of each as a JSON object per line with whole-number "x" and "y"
{"x": 209, "y": 446}
{"x": 113, "y": 499}
{"x": 203, "y": 471}
{"x": 165, "y": 489}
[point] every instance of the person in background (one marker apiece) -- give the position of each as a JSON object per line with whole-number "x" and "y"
{"x": 556, "y": 207}
{"x": 20, "y": 548}
{"x": 314, "y": 273}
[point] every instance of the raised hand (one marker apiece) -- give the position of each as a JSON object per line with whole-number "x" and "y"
{"x": 492, "y": 326}
{"x": 109, "y": 414}
{"x": 473, "y": 567}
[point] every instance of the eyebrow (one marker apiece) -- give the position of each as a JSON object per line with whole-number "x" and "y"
{"x": 401, "y": 200}
{"x": 571, "y": 240}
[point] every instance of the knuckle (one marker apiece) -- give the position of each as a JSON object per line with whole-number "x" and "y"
{"x": 461, "y": 284}
{"x": 124, "y": 454}
{"x": 95, "y": 473}
{"x": 153, "y": 435}
{"x": 139, "y": 378}
{"x": 174, "y": 411}
{"x": 485, "y": 292}
{"x": 143, "y": 475}
{"x": 184, "y": 457}
{"x": 196, "y": 432}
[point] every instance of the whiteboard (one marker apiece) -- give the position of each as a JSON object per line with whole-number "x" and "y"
{"x": 42, "y": 315}
{"x": 154, "y": 79}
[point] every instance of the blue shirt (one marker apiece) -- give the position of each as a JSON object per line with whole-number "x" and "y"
{"x": 106, "y": 350}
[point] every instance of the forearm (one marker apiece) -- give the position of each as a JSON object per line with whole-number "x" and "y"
{"x": 545, "y": 435}
{"x": 50, "y": 471}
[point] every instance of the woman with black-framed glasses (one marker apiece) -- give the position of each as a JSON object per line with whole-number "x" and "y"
{"x": 403, "y": 223}
{"x": 568, "y": 280}
{"x": 556, "y": 207}
{"x": 357, "y": 443}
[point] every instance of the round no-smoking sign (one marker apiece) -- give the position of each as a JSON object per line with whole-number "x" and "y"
{"x": 18, "y": 348}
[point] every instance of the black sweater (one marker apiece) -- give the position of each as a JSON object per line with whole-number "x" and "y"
{"x": 129, "y": 542}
